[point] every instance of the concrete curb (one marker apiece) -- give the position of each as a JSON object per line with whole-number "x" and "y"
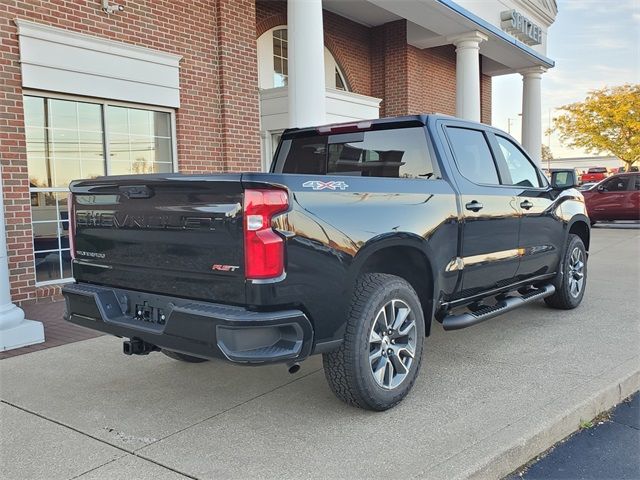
{"x": 504, "y": 451}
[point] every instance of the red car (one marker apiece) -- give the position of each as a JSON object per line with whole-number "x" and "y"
{"x": 594, "y": 174}
{"x": 616, "y": 198}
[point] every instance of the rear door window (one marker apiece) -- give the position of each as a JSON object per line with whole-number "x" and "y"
{"x": 393, "y": 153}
{"x": 473, "y": 156}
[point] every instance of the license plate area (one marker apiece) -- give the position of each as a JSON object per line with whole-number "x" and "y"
{"x": 144, "y": 312}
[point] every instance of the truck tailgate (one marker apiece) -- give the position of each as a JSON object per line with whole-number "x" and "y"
{"x": 168, "y": 234}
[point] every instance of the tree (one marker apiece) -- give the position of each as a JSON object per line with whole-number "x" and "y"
{"x": 546, "y": 154}
{"x": 608, "y": 120}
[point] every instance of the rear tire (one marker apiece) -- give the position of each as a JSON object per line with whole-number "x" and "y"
{"x": 183, "y": 357}
{"x": 571, "y": 282}
{"x": 379, "y": 360}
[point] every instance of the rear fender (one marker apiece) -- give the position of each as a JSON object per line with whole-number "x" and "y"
{"x": 399, "y": 241}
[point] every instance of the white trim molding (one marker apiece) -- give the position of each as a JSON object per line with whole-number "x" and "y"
{"x": 341, "y": 106}
{"x": 59, "y": 60}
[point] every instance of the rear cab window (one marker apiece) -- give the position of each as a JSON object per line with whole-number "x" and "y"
{"x": 388, "y": 153}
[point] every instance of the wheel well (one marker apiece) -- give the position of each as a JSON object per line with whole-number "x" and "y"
{"x": 582, "y": 230}
{"x": 412, "y": 265}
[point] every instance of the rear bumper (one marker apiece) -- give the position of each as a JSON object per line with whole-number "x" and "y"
{"x": 202, "y": 329}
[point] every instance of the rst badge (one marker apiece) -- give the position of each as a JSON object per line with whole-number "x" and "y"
{"x": 224, "y": 268}
{"x": 331, "y": 185}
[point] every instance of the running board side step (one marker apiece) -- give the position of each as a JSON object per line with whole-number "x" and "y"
{"x": 463, "y": 320}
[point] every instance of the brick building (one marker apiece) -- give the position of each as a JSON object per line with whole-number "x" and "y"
{"x": 208, "y": 86}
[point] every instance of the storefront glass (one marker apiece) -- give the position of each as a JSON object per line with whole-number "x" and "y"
{"x": 68, "y": 140}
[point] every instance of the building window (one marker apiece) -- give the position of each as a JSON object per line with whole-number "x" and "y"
{"x": 139, "y": 141}
{"x": 340, "y": 85}
{"x": 273, "y": 68}
{"x": 70, "y": 139}
{"x": 280, "y": 55}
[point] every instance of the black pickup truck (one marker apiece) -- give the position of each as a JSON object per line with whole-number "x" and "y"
{"x": 359, "y": 236}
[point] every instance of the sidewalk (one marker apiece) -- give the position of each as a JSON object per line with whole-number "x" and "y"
{"x": 488, "y": 399}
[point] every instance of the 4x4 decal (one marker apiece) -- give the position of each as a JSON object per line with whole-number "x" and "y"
{"x": 331, "y": 185}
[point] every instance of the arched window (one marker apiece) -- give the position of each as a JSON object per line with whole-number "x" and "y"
{"x": 273, "y": 68}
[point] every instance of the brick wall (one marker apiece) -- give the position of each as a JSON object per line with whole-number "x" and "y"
{"x": 432, "y": 86}
{"x": 349, "y": 43}
{"x": 390, "y": 68}
{"x": 238, "y": 85}
{"x": 269, "y": 14}
{"x": 218, "y": 121}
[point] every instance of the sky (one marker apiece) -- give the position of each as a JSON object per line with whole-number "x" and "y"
{"x": 595, "y": 43}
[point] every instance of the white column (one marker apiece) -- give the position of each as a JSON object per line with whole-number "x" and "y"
{"x": 468, "y": 74}
{"x": 15, "y": 331}
{"x": 532, "y": 112}
{"x": 307, "y": 105}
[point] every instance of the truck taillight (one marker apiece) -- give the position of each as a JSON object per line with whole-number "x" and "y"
{"x": 263, "y": 247}
{"x": 72, "y": 225}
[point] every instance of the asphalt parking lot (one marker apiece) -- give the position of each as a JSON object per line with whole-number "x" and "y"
{"x": 606, "y": 448}
{"x": 488, "y": 399}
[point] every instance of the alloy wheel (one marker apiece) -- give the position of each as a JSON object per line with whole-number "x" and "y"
{"x": 576, "y": 272}
{"x": 392, "y": 344}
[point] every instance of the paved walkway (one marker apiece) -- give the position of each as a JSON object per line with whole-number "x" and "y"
{"x": 607, "y": 450}
{"x": 488, "y": 399}
{"x": 56, "y": 331}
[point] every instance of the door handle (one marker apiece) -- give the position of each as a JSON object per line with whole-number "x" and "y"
{"x": 136, "y": 191}
{"x": 474, "y": 206}
{"x": 526, "y": 204}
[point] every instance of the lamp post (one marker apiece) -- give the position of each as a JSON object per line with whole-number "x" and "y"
{"x": 549, "y": 141}
{"x": 15, "y": 331}
{"x": 509, "y": 125}
{"x": 511, "y": 121}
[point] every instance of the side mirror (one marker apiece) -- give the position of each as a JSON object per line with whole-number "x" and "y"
{"x": 564, "y": 179}
{"x": 601, "y": 188}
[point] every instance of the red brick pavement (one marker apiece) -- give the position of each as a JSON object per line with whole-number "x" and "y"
{"x": 56, "y": 330}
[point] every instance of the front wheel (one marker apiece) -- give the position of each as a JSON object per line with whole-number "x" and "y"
{"x": 571, "y": 282}
{"x": 379, "y": 360}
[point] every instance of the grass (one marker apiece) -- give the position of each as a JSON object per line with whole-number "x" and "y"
{"x": 584, "y": 424}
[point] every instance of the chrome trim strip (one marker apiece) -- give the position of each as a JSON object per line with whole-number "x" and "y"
{"x": 459, "y": 263}
{"x": 260, "y": 281}
{"x": 493, "y": 256}
{"x": 109, "y": 267}
{"x": 455, "y": 265}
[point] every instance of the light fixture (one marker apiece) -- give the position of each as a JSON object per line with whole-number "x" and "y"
{"x": 111, "y": 8}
